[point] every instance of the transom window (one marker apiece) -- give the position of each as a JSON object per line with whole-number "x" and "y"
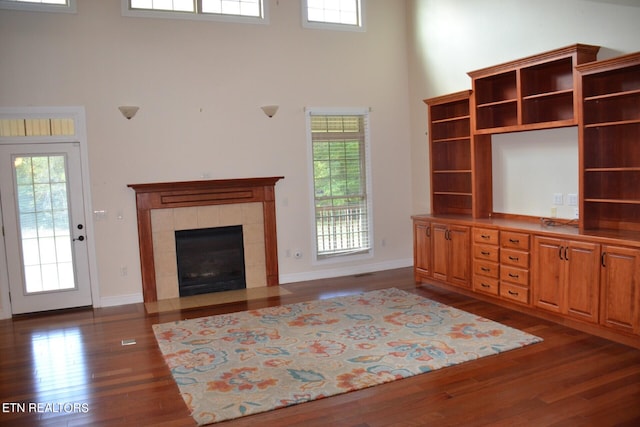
{"x": 339, "y": 150}
{"x": 333, "y": 14}
{"x": 40, "y": 5}
{"x": 205, "y": 9}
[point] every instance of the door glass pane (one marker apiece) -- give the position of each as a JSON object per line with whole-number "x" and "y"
{"x": 45, "y": 233}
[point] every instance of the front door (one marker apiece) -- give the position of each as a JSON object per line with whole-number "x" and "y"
{"x": 44, "y": 226}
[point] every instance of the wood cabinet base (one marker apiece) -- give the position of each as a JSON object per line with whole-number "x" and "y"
{"x": 631, "y": 340}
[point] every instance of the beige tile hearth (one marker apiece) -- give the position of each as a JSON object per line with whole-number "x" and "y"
{"x": 214, "y": 298}
{"x": 165, "y": 222}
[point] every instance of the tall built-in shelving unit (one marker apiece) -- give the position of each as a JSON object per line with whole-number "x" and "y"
{"x": 560, "y": 88}
{"x": 610, "y": 144}
{"x": 450, "y": 148}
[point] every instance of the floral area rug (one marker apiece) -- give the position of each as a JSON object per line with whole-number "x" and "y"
{"x": 236, "y": 364}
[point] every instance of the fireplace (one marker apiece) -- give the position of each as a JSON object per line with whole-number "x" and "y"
{"x": 210, "y": 260}
{"x": 166, "y": 207}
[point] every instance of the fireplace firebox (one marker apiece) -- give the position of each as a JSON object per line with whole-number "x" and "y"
{"x": 210, "y": 260}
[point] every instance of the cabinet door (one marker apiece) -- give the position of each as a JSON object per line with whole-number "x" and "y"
{"x": 440, "y": 246}
{"x": 620, "y": 288}
{"x": 548, "y": 273}
{"x": 460, "y": 255}
{"x": 583, "y": 280}
{"x": 422, "y": 248}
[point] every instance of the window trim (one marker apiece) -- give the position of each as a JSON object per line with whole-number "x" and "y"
{"x": 350, "y": 256}
{"x": 70, "y": 7}
{"x": 315, "y": 25}
{"x": 216, "y": 17}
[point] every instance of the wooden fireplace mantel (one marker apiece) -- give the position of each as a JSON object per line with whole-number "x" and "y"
{"x": 165, "y": 195}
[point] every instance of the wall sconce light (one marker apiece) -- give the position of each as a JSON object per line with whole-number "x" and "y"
{"x": 128, "y": 111}
{"x": 270, "y": 110}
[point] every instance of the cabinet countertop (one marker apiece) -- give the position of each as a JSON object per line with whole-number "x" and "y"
{"x": 554, "y": 227}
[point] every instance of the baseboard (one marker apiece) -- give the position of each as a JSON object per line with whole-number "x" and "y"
{"x": 121, "y": 300}
{"x": 345, "y": 271}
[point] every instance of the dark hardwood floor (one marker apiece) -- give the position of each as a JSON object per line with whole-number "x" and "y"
{"x": 571, "y": 379}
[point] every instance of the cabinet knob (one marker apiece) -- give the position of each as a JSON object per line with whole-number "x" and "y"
{"x": 514, "y": 258}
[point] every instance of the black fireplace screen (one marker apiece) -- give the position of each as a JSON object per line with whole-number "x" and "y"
{"x": 210, "y": 260}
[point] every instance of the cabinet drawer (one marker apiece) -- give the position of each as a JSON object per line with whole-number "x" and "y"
{"x": 514, "y": 292}
{"x": 486, "y": 235}
{"x": 485, "y": 284}
{"x": 486, "y": 268}
{"x": 514, "y": 258}
{"x": 486, "y": 252}
{"x": 511, "y": 240}
{"x": 514, "y": 275}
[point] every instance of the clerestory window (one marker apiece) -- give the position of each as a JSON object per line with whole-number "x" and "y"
{"x": 226, "y": 10}
{"x": 333, "y": 14}
{"x": 68, "y": 6}
{"x": 342, "y": 206}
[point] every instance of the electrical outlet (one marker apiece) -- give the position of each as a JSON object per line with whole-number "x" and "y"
{"x": 558, "y": 199}
{"x": 572, "y": 199}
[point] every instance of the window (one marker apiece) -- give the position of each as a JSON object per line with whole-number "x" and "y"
{"x": 68, "y": 6}
{"x": 342, "y": 213}
{"x": 333, "y": 14}
{"x": 226, "y": 10}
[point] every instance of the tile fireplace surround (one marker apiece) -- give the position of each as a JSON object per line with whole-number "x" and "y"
{"x": 165, "y": 207}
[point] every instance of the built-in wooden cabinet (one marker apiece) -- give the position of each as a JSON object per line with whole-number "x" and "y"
{"x": 588, "y": 279}
{"x": 567, "y": 277}
{"x": 422, "y": 252}
{"x": 610, "y": 144}
{"x": 620, "y": 295}
{"x": 535, "y": 92}
{"x": 589, "y": 275}
{"x": 451, "y": 253}
{"x": 486, "y": 260}
{"x": 514, "y": 266}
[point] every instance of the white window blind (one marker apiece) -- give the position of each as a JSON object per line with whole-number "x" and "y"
{"x": 342, "y": 208}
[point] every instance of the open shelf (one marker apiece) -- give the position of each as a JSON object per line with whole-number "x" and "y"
{"x": 452, "y": 128}
{"x": 621, "y": 107}
{"x": 549, "y": 107}
{"x": 536, "y": 92}
{"x": 613, "y": 185}
{"x": 458, "y": 182}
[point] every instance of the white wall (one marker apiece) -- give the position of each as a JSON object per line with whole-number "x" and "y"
{"x": 450, "y": 38}
{"x": 200, "y": 86}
